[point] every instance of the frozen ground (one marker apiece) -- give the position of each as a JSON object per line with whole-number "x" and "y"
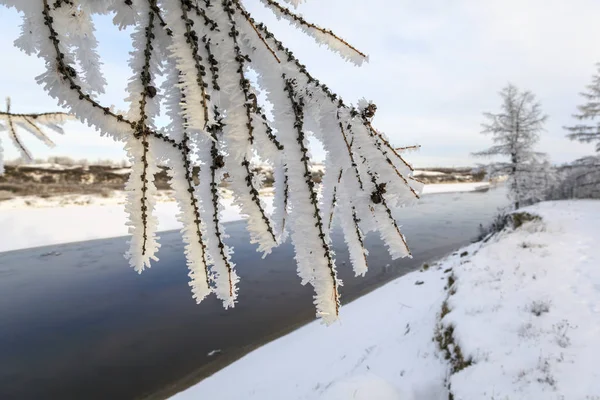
{"x": 527, "y": 309}
{"x": 34, "y": 221}
{"x": 521, "y": 320}
{"x": 381, "y": 349}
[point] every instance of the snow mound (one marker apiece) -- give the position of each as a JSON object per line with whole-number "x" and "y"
{"x": 525, "y": 309}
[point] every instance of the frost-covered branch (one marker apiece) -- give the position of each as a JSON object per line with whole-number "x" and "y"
{"x": 408, "y": 148}
{"x": 320, "y": 35}
{"x": 31, "y": 123}
{"x": 205, "y": 53}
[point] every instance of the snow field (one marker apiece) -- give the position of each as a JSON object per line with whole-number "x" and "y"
{"x": 524, "y": 312}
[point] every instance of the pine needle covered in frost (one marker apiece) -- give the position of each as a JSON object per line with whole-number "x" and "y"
{"x": 34, "y": 124}
{"x": 204, "y": 52}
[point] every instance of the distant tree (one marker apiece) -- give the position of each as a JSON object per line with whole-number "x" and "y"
{"x": 33, "y": 123}
{"x": 515, "y": 131}
{"x": 62, "y": 160}
{"x": 588, "y": 130}
{"x": 578, "y": 179}
{"x": 190, "y": 64}
{"x": 581, "y": 178}
{"x": 539, "y": 177}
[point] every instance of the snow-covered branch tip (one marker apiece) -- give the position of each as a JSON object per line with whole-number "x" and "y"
{"x": 206, "y": 54}
{"x": 407, "y": 149}
{"x": 320, "y": 35}
{"x": 33, "y": 123}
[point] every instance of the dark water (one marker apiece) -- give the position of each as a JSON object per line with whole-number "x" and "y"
{"x": 77, "y": 323}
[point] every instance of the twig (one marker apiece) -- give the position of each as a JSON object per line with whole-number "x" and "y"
{"x": 298, "y": 18}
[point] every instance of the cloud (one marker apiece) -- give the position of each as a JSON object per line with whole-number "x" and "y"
{"x": 434, "y": 67}
{"x": 437, "y": 65}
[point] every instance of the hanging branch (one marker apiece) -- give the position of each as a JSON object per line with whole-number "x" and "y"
{"x": 323, "y": 301}
{"x": 378, "y": 199}
{"x": 286, "y": 191}
{"x": 187, "y": 165}
{"x": 191, "y": 38}
{"x": 287, "y": 55}
{"x": 350, "y": 154}
{"x": 206, "y": 51}
{"x": 17, "y": 142}
{"x": 300, "y": 68}
{"x": 202, "y": 13}
{"x": 241, "y": 107}
{"x": 212, "y": 172}
{"x": 140, "y": 133}
{"x": 412, "y": 178}
{"x": 408, "y": 148}
{"x": 193, "y": 232}
{"x": 268, "y": 130}
{"x": 241, "y": 59}
{"x": 376, "y": 138}
{"x": 321, "y": 35}
{"x": 353, "y": 234}
{"x": 360, "y": 239}
{"x": 281, "y": 200}
{"x": 141, "y": 190}
{"x": 212, "y": 61}
{"x": 36, "y": 131}
{"x": 68, "y": 75}
{"x": 334, "y": 200}
{"x": 260, "y": 36}
{"x": 32, "y": 123}
{"x": 218, "y": 163}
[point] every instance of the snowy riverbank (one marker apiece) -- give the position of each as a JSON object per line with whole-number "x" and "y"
{"x": 520, "y": 319}
{"x": 35, "y": 221}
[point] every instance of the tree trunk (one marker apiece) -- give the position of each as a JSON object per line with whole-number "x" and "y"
{"x": 514, "y": 174}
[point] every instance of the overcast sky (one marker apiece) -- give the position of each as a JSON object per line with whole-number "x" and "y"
{"x": 434, "y": 67}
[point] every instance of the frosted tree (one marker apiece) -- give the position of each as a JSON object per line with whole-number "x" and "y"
{"x": 588, "y": 130}
{"x": 581, "y": 178}
{"x": 515, "y": 131}
{"x": 578, "y": 179}
{"x": 204, "y": 53}
{"x": 539, "y": 177}
{"x": 35, "y": 124}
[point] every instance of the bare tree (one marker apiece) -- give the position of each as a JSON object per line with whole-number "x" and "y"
{"x": 205, "y": 52}
{"x": 588, "y": 130}
{"x": 515, "y": 131}
{"x": 31, "y": 123}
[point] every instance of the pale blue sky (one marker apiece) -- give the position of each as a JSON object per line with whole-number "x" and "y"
{"x": 435, "y": 67}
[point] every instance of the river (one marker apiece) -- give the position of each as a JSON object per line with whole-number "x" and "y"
{"x": 77, "y": 323}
